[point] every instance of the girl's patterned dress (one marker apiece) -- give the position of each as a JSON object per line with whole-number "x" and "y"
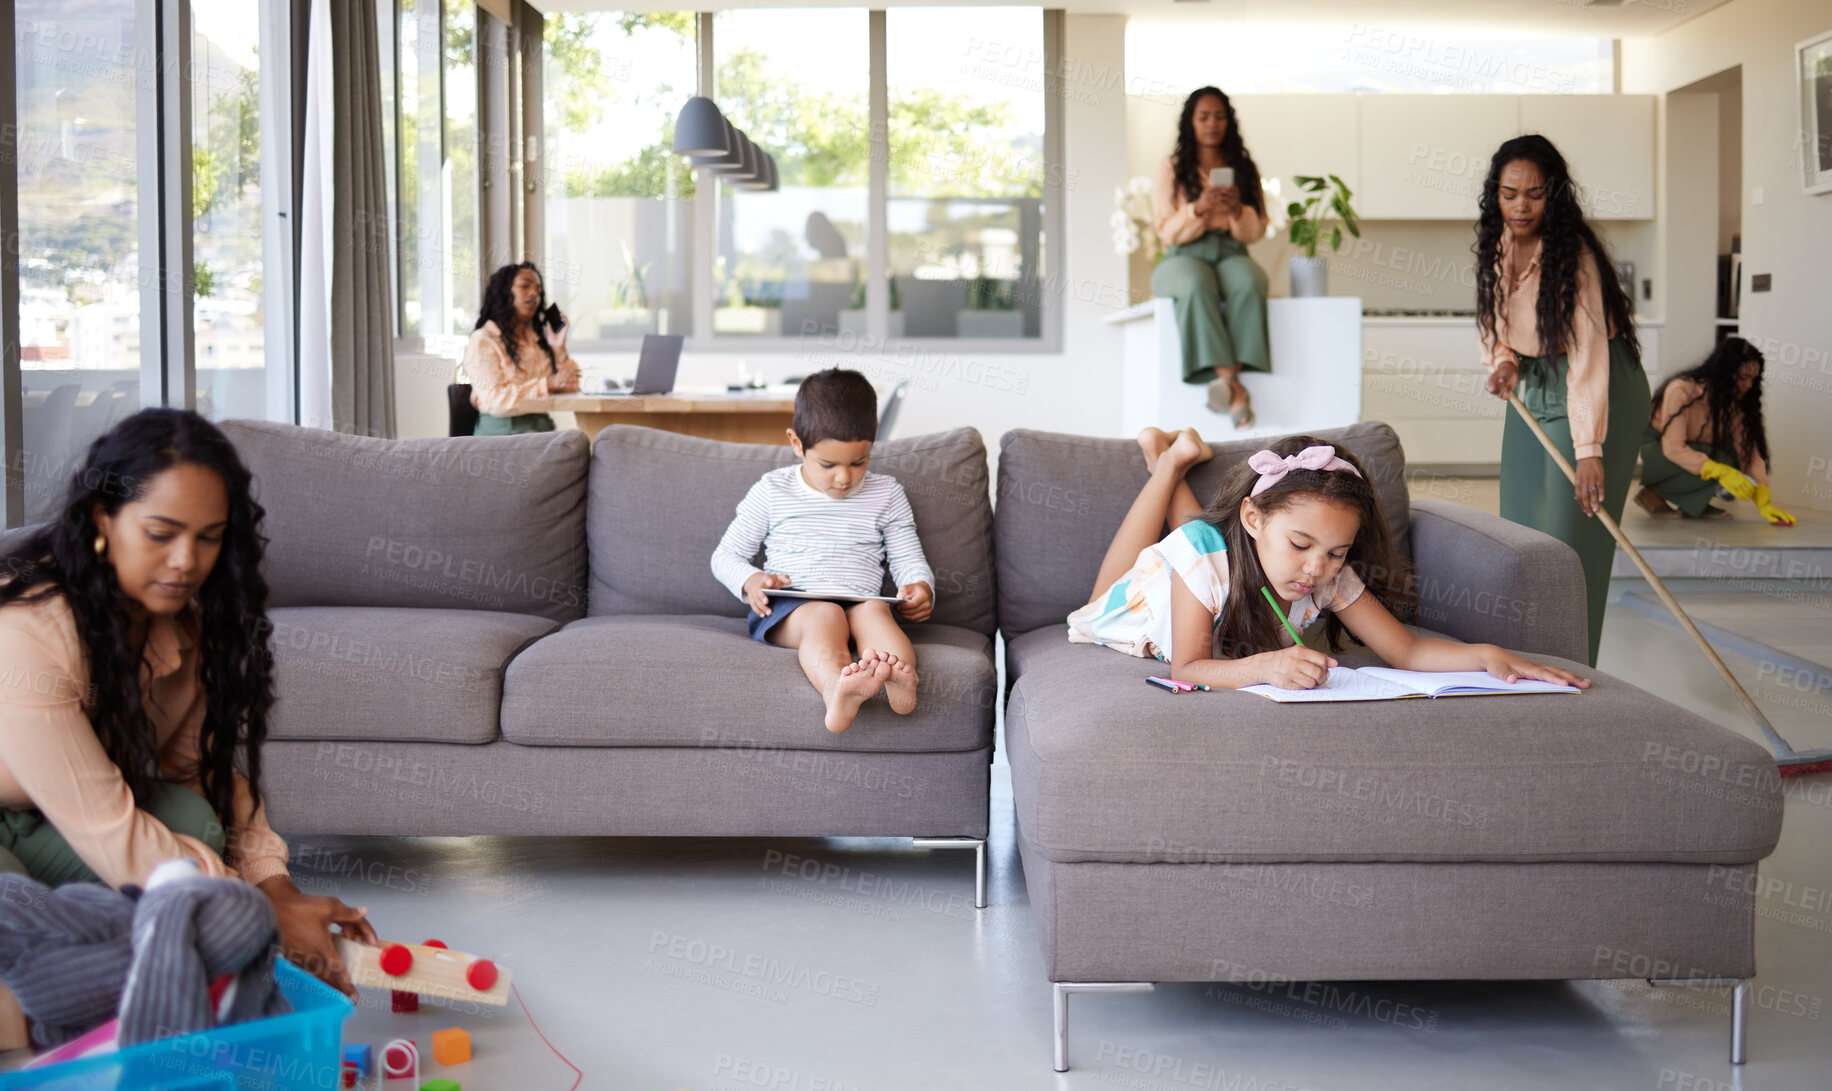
{"x": 1134, "y": 615}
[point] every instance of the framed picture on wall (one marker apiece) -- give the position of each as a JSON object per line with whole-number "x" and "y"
{"x": 1814, "y": 65}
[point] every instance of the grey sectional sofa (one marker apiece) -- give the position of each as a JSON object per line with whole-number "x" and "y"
{"x": 523, "y": 636}
{"x": 1223, "y": 837}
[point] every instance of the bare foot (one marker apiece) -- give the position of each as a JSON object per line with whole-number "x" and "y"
{"x": 900, "y": 687}
{"x": 1154, "y": 442}
{"x": 858, "y": 683}
{"x": 1185, "y": 451}
{"x": 1202, "y": 445}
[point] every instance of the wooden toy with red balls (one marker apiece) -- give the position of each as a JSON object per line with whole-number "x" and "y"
{"x": 425, "y": 969}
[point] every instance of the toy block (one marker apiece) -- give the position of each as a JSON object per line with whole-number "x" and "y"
{"x": 401, "y": 1058}
{"x": 350, "y": 1077}
{"x": 405, "y": 1001}
{"x": 441, "y": 1085}
{"x": 451, "y": 1045}
{"x": 360, "y": 1055}
{"x": 426, "y": 970}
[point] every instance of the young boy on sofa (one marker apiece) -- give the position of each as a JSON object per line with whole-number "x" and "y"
{"x": 828, "y": 526}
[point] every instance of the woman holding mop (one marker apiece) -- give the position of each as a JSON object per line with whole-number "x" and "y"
{"x": 1555, "y": 326}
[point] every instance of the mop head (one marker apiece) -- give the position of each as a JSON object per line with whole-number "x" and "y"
{"x": 1800, "y": 765}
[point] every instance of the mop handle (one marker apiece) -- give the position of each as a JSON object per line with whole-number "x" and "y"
{"x": 1648, "y": 573}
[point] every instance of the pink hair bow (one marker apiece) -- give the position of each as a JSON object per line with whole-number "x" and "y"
{"x": 1272, "y": 468}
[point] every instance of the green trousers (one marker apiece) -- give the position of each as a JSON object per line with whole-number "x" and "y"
{"x": 488, "y": 425}
{"x": 1681, "y": 488}
{"x": 1218, "y": 294}
{"x": 1533, "y": 491}
{"x": 31, "y": 846}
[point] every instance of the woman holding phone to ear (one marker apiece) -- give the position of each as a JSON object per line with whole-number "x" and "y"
{"x": 1208, "y": 207}
{"x": 517, "y": 353}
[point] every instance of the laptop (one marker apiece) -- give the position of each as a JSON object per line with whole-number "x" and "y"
{"x": 655, "y": 367}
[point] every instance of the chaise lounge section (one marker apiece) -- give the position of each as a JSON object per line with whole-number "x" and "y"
{"x": 1223, "y": 837}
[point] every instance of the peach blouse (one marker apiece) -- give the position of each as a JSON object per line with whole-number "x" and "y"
{"x": 1587, "y": 354}
{"x": 1693, "y": 425}
{"x": 51, "y": 760}
{"x": 1177, "y": 222}
{"x": 500, "y": 386}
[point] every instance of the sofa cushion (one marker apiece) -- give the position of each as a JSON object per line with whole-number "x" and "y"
{"x": 363, "y": 672}
{"x": 700, "y": 681}
{"x": 491, "y": 523}
{"x": 1105, "y": 767}
{"x": 661, "y": 501}
{"x": 1061, "y": 497}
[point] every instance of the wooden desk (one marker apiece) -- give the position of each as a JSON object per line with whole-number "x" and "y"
{"x": 735, "y": 418}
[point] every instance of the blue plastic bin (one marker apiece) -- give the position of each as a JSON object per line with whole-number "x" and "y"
{"x": 299, "y": 1051}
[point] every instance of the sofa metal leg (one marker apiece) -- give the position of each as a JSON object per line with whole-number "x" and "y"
{"x": 1062, "y": 990}
{"x": 1739, "y": 1008}
{"x": 978, "y": 845}
{"x": 1739, "y": 1022}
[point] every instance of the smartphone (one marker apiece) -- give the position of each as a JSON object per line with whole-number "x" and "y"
{"x": 1222, "y": 177}
{"x": 554, "y": 319}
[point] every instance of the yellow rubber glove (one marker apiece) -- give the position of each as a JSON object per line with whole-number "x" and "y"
{"x": 1769, "y": 511}
{"x": 1731, "y": 478}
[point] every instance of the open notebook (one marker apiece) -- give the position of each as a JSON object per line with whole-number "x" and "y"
{"x": 1387, "y": 684}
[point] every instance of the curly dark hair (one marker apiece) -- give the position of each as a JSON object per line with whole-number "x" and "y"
{"x": 1188, "y": 172}
{"x": 1563, "y": 238}
{"x": 1736, "y": 421}
{"x": 499, "y": 307}
{"x": 235, "y": 667}
{"x": 1248, "y": 625}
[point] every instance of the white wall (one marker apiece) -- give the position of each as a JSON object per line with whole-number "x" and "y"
{"x": 1786, "y": 236}
{"x": 1689, "y": 203}
{"x": 1076, "y": 390}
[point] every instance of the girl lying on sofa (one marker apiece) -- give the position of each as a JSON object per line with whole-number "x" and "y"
{"x": 1300, "y": 519}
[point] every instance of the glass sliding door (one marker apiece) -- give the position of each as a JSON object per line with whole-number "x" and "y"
{"x": 226, "y": 209}
{"x": 792, "y": 263}
{"x": 76, "y": 158}
{"x": 965, "y": 206}
{"x": 618, "y": 200}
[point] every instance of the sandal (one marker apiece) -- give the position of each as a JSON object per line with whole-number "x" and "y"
{"x": 1221, "y": 400}
{"x": 1652, "y": 503}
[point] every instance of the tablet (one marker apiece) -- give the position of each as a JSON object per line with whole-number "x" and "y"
{"x": 832, "y": 596}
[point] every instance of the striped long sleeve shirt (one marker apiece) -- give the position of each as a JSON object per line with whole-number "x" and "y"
{"x": 823, "y": 544}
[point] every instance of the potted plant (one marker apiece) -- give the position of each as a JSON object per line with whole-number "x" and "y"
{"x": 1131, "y": 221}
{"x": 1324, "y": 213}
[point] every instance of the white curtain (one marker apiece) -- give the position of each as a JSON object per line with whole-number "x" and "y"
{"x": 315, "y": 219}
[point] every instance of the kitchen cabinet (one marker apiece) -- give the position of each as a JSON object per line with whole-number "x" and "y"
{"x": 1607, "y": 141}
{"x": 1423, "y": 157}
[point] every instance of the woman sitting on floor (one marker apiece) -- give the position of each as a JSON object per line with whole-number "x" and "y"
{"x": 1707, "y": 432}
{"x": 135, "y": 684}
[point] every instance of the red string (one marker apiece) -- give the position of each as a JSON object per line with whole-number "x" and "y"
{"x": 537, "y": 1030}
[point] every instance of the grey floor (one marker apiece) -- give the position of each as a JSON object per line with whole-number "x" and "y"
{"x": 860, "y": 965}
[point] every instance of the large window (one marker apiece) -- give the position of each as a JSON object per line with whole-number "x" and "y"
{"x": 77, "y": 163}
{"x": 966, "y": 171}
{"x": 226, "y": 225}
{"x": 435, "y": 137}
{"x": 798, "y": 82}
{"x": 618, "y": 201}
{"x": 460, "y": 231}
